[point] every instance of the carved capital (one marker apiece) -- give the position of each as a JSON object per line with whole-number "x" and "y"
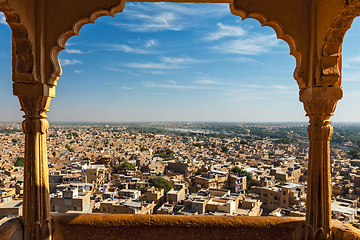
{"x": 320, "y": 103}
{"x": 320, "y": 111}
{"x": 320, "y": 133}
{"x": 35, "y": 109}
{"x": 34, "y": 100}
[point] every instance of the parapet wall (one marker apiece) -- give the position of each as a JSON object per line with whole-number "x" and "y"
{"x": 91, "y": 226}
{"x": 131, "y": 227}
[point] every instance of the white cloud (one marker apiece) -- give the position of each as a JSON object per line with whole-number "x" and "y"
{"x": 257, "y": 92}
{"x": 178, "y": 60}
{"x": 166, "y": 63}
{"x": 150, "y": 43}
{"x": 128, "y": 88}
{"x": 156, "y": 72}
{"x": 239, "y": 41}
{"x": 78, "y": 71}
{"x": 351, "y": 76}
{"x": 152, "y": 17}
{"x": 156, "y": 22}
{"x": 65, "y": 62}
{"x": 225, "y": 31}
{"x": 112, "y": 68}
{"x": 172, "y": 86}
{"x": 171, "y": 81}
{"x": 351, "y": 62}
{"x": 115, "y": 69}
{"x": 143, "y": 47}
{"x": 128, "y": 49}
{"x": 206, "y": 81}
{"x": 183, "y": 9}
{"x": 354, "y": 59}
{"x": 68, "y": 43}
{"x": 250, "y": 60}
{"x": 152, "y": 65}
{"x": 252, "y": 45}
{"x": 2, "y": 18}
{"x": 257, "y": 86}
{"x": 75, "y": 51}
{"x": 281, "y": 87}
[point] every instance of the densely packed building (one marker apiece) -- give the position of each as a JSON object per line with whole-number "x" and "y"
{"x": 104, "y": 169}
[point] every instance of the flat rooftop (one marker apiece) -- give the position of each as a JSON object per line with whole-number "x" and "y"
{"x": 11, "y": 204}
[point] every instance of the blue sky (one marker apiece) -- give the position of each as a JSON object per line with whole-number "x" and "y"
{"x": 188, "y": 62}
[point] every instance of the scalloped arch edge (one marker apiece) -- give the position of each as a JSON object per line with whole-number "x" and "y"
{"x": 64, "y": 37}
{"x": 261, "y": 18}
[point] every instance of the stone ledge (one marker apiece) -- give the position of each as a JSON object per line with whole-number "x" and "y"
{"x": 343, "y": 231}
{"x": 113, "y": 226}
{"x": 121, "y": 226}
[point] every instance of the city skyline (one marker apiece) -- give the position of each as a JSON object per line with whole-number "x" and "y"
{"x": 189, "y": 62}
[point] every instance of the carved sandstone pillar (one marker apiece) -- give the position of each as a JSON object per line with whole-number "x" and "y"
{"x": 35, "y": 100}
{"x": 319, "y": 104}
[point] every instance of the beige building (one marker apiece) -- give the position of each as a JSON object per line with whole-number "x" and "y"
{"x": 70, "y": 200}
{"x": 249, "y": 207}
{"x": 97, "y": 174}
{"x": 11, "y": 208}
{"x": 284, "y": 196}
{"x": 176, "y": 194}
{"x": 126, "y": 206}
{"x": 129, "y": 193}
{"x": 210, "y": 180}
{"x": 154, "y": 195}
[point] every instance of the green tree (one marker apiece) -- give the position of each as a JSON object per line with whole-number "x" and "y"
{"x": 168, "y": 152}
{"x": 126, "y": 165}
{"x": 224, "y": 149}
{"x": 19, "y": 162}
{"x": 248, "y": 175}
{"x": 346, "y": 175}
{"x": 14, "y": 140}
{"x": 161, "y": 182}
{"x": 69, "y": 148}
{"x": 240, "y": 160}
{"x": 354, "y": 153}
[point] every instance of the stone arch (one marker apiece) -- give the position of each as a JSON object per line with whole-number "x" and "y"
{"x": 23, "y": 59}
{"x": 329, "y": 72}
{"x": 75, "y": 29}
{"x": 280, "y": 33}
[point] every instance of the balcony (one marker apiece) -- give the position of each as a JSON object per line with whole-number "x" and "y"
{"x": 314, "y": 31}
